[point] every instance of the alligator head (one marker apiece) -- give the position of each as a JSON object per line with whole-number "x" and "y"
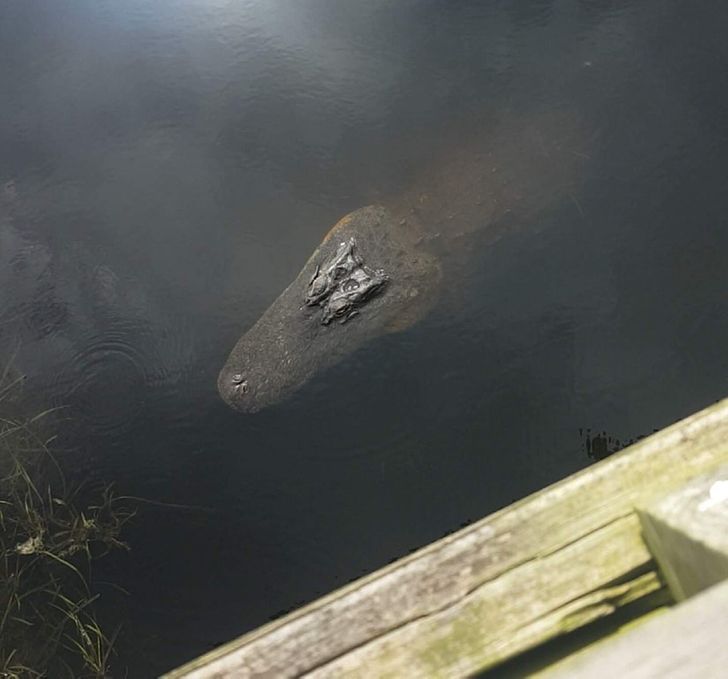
{"x": 367, "y": 278}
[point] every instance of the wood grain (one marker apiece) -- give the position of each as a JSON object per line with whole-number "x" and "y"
{"x": 687, "y": 532}
{"x": 687, "y": 641}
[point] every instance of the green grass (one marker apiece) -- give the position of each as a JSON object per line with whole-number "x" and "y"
{"x": 48, "y": 627}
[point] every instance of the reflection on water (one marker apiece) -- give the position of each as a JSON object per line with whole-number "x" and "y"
{"x": 167, "y": 167}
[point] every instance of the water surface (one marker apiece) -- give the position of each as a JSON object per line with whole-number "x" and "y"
{"x": 166, "y": 168}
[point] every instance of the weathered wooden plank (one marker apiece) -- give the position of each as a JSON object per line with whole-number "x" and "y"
{"x": 518, "y": 610}
{"x": 687, "y": 641}
{"x": 687, "y": 532}
{"x": 472, "y": 576}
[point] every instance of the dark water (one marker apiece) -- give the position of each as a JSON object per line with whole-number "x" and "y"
{"x": 166, "y": 169}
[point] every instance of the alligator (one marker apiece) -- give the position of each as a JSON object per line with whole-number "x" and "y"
{"x": 379, "y": 269}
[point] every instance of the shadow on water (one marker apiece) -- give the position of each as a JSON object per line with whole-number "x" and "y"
{"x": 167, "y": 168}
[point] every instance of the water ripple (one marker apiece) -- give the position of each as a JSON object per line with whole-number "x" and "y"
{"x": 107, "y": 377}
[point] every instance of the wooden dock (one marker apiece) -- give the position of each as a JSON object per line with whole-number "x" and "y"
{"x": 550, "y": 582}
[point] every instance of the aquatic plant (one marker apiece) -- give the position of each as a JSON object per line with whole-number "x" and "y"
{"x": 48, "y": 627}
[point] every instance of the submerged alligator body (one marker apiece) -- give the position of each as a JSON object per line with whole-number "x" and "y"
{"x": 378, "y": 270}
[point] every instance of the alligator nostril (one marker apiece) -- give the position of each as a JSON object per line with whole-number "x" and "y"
{"x": 239, "y": 382}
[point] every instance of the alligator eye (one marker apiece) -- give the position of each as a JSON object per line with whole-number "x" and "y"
{"x": 350, "y": 285}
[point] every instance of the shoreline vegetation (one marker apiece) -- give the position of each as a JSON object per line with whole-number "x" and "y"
{"x": 49, "y": 539}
